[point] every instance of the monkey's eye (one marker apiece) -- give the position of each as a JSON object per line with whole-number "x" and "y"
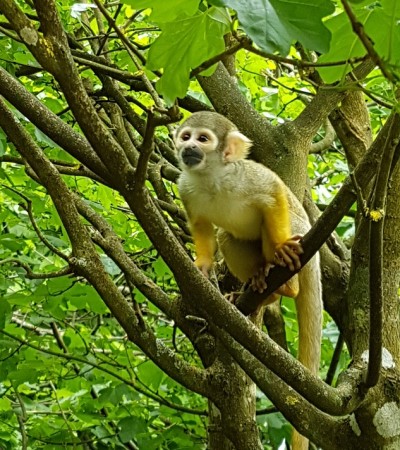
{"x": 185, "y": 136}
{"x": 203, "y": 138}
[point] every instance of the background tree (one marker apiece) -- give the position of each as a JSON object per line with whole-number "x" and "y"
{"x": 110, "y": 337}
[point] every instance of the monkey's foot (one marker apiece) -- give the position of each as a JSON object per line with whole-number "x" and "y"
{"x": 258, "y": 282}
{"x": 203, "y": 266}
{"x": 232, "y": 296}
{"x": 287, "y": 254}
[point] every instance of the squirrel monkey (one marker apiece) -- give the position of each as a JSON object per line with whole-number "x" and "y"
{"x": 255, "y": 214}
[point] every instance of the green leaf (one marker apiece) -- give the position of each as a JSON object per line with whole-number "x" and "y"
{"x": 278, "y": 429}
{"x": 345, "y": 45}
{"x": 131, "y": 427}
{"x": 183, "y": 45}
{"x": 5, "y": 313}
{"x": 166, "y": 11}
{"x": 391, "y": 7}
{"x": 23, "y": 375}
{"x": 150, "y": 375}
{"x": 96, "y": 304}
{"x": 113, "y": 395}
{"x": 3, "y": 146}
{"x": 275, "y": 24}
{"x": 11, "y": 242}
{"x": 381, "y": 25}
{"x": 384, "y": 30}
{"x": 161, "y": 269}
{"x": 5, "y": 404}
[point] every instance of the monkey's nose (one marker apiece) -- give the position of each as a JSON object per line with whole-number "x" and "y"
{"x": 191, "y": 156}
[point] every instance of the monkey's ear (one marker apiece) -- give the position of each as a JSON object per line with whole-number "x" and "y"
{"x": 237, "y": 146}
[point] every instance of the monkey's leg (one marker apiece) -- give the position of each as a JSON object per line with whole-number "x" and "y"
{"x": 290, "y": 288}
{"x": 243, "y": 258}
{"x": 204, "y": 241}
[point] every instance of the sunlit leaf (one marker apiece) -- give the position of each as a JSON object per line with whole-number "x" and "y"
{"x": 183, "y": 45}
{"x": 275, "y": 24}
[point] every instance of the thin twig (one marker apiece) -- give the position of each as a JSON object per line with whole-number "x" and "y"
{"x": 359, "y": 30}
{"x": 335, "y": 360}
{"x": 38, "y": 276}
{"x": 210, "y": 62}
{"x": 28, "y": 209}
{"x": 136, "y": 56}
{"x": 299, "y": 63}
{"x": 116, "y": 375}
{"x": 22, "y": 418}
{"x": 53, "y": 388}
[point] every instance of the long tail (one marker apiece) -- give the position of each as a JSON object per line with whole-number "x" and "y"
{"x": 309, "y": 316}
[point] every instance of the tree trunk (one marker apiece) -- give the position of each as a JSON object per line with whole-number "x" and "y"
{"x": 376, "y": 423}
{"x": 232, "y": 425}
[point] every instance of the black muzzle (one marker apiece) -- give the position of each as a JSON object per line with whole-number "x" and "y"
{"x": 191, "y": 156}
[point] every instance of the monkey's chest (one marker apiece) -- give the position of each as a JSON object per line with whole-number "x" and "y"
{"x": 230, "y": 212}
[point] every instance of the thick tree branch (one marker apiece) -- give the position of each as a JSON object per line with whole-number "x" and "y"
{"x": 86, "y": 261}
{"x": 58, "y": 61}
{"x": 376, "y": 215}
{"x": 326, "y": 141}
{"x": 51, "y": 125}
{"x": 326, "y": 224}
{"x": 352, "y": 125}
{"x": 112, "y": 245}
{"x": 308, "y": 122}
{"x": 300, "y": 413}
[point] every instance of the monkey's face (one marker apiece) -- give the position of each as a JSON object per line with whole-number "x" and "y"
{"x": 194, "y": 146}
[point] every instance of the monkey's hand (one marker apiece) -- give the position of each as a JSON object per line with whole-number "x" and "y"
{"x": 287, "y": 254}
{"x": 258, "y": 282}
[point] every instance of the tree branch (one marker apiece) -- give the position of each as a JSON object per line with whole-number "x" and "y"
{"x": 326, "y": 224}
{"x": 86, "y": 261}
{"x": 112, "y": 245}
{"x": 377, "y": 220}
{"x": 59, "y": 62}
{"x": 358, "y": 29}
{"x": 87, "y": 361}
{"x": 326, "y": 141}
{"x": 299, "y": 412}
{"x": 51, "y": 125}
{"x": 307, "y": 123}
{"x": 38, "y": 276}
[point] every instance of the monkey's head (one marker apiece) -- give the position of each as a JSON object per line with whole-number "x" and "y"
{"x": 208, "y": 138}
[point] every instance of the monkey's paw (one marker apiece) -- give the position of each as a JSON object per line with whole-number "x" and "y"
{"x": 288, "y": 253}
{"x": 258, "y": 282}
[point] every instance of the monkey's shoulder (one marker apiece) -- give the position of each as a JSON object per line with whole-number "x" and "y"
{"x": 232, "y": 196}
{"x": 239, "y": 179}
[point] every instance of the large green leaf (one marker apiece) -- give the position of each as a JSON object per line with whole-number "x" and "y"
{"x": 165, "y": 11}
{"x": 183, "y": 45}
{"x": 380, "y": 24}
{"x": 275, "y": 24}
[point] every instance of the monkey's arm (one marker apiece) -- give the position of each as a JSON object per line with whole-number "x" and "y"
{"x": 204, "y": 241}
{"x": 278, "y": 244}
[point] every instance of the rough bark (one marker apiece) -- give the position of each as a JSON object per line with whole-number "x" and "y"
{"x": 348, "y": 416}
